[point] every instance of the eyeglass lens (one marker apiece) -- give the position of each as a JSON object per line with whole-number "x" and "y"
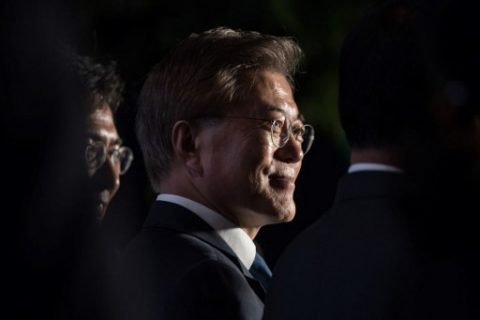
{"x": 96, "y": 155}
{"x": 281, "y": 135}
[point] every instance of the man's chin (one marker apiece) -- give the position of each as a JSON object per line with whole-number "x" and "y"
{"x": 284, "y": 217}
{"x": 283, "y": 213}
{"x": 289, "y": 217}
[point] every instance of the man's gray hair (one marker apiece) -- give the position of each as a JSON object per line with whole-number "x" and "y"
{"x": 208, "y": 73}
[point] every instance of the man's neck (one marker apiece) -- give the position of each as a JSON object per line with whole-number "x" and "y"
{"x": 193, "y": 194}
{"x": 250, "y": 231}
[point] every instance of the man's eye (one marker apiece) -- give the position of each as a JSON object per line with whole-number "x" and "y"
{"x": 114, "y": 149}
{"x": 277, "y": 125}
{"x": 298, "y": 132}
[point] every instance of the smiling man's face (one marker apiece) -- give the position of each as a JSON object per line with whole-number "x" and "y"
{"x": 247, "y": 177}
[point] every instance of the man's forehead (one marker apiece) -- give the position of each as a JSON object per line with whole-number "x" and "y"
{"x": 281, "y": 90}
{"x": 101, "y": 126}
{"x": 273, "y": 93}
{"x": 104, "y": 113}
{"x": 273, "y": 81}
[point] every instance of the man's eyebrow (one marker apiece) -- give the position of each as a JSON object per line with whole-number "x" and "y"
{"x": 276, "y": 108}
{"x": 94, "y": 135}
{"x": 97, "y": 137}
{"x": 300, "y": 116}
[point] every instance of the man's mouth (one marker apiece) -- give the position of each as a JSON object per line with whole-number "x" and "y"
{"x": 282, "y": 182}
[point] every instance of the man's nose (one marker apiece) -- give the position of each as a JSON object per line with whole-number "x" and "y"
{"x": 110, "y": 174}
{"x": 291, "y": 152}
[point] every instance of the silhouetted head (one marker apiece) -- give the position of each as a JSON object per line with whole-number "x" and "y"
{"x": 385, "y": 80}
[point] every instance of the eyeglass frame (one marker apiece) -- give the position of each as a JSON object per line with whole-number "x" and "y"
{"x": 118, "y": 150}
{"x": 282, "y": 143}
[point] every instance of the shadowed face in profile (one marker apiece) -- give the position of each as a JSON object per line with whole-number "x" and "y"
{"x": 104, "y": 177}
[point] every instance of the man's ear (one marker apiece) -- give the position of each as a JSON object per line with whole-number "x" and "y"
{"x": 185, "y": 147}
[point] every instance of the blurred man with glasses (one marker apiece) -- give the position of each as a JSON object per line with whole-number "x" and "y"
{"x": 223, "y": 142}
{"x": 106, "y": 158}
{"x": 90, "y": 291}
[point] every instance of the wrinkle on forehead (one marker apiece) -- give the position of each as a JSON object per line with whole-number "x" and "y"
{"x": 279, "y": 90}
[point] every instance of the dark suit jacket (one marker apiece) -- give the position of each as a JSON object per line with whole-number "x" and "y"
{"x": 369, "y": 257}
{"x": 178, "y": 267}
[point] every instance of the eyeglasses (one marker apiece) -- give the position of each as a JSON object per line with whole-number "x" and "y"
{"x": 96, "y": 153}
{"x": 281, "y": 130}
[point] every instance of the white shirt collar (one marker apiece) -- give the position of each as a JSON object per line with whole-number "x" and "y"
{"x": 370, "y": 166}
{"x": 237, "y": 239}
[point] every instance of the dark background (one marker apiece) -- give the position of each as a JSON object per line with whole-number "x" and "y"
{"x": 41, "y": 122}
{"x": 137, "y": 34}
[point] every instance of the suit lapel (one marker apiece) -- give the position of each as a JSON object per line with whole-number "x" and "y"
{"x": 174, "y": 217}
{"x": 256, "y": 286}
